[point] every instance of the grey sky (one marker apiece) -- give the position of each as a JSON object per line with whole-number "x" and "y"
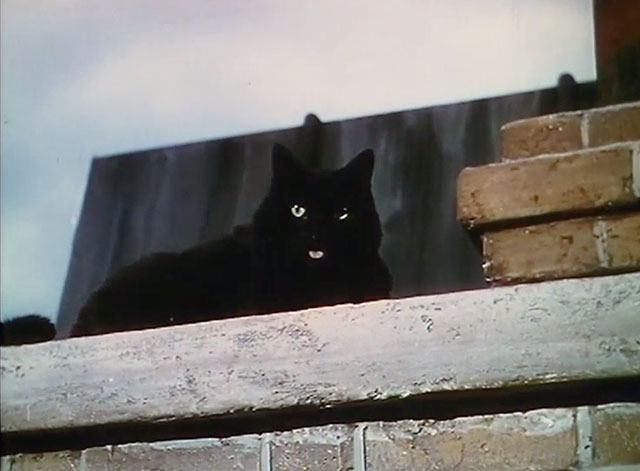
{"x": 91, "y": 78}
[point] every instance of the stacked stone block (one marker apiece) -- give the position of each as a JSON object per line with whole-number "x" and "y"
{"x": 565, "y": 199}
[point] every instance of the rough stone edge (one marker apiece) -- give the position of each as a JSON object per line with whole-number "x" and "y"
{"x": 440, "y": 306}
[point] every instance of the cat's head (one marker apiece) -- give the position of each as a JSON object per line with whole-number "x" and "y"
{"x": 320, "y": 219}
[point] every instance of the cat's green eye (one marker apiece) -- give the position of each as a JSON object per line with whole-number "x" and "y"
{"x": 298, "y": 211}
{"x": 343, "y": 214}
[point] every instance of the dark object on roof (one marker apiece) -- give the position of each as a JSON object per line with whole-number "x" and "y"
{"x": 27, "y": 329}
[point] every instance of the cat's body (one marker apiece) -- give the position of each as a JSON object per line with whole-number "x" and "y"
{"x": 314, "y": 241}
{"x": 32, "y": 328}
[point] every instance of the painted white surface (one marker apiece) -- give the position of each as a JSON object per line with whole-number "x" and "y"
{"x": 88, "y": 78}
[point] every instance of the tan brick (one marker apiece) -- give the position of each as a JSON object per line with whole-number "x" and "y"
{"x": 616, "y": 434}
{"x": 96, "y": 459}
{"x": 546, "y": 185}
{"x": 536, "y": 440}
{"x": 575, "y": 247}
{"x": 623, "y": 241}
{"x": 327, "y": 448}
{"x": 549, "y": 134}
{"x": 237, "y": 453}
{"x": 54, "y": 461}
{"x": 240, "y": 453}
{"x": 614, "y": 124}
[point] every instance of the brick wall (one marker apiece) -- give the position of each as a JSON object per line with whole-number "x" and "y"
{"x": 572, "y": 131}
{"x": 564, "y": 201}
{"x": 588, "y": 438}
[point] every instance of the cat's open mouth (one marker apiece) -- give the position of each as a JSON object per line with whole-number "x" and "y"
{"x": 316, "y": 254}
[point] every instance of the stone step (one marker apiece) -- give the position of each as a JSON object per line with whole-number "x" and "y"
{"x": 564, "y": 132}
{"x": 563, "y": 249}
{"x": 515, "y": 336}
{"x": 578, "y": 181}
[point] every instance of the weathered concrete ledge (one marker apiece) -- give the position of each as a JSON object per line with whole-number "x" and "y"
{"x": 543, "y": 333}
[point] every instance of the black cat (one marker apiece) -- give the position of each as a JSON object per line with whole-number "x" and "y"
{"x": 314, "y": 241}
{"x": 32, "y": 328}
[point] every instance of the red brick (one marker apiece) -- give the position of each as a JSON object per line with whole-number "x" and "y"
{"x": 562, "y": 249}
{"x": 583, "y": 180}
{"x": 230, "y": 454}
{"x": 328, "y": 448}
{"x": 616, "y": 434}
{"x": 549, "y": 134}
{"x": 615, "y": 124}
{"x": 536, "y": 440}
{"x": 55, "y": 461}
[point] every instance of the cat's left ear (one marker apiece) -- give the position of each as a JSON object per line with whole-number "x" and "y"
{"x": 283, "y": 164}
{"x": 361, "y": 166}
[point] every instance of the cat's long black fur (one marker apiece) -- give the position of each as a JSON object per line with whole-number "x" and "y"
{"x": 313, "y": 241}
{"x": 32, "y": 328}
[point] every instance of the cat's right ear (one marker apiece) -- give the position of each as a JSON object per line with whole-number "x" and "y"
{"x": 283, "y": 163}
